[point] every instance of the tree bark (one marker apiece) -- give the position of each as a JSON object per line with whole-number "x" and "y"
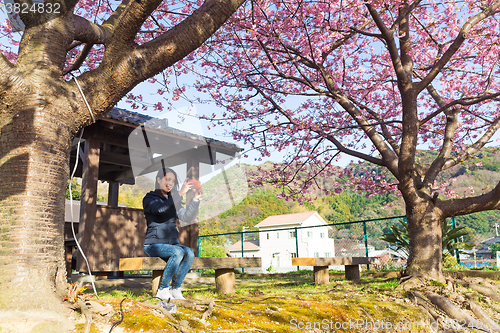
{"x": 425, "y": 233}
{"x": 34, "y": 147}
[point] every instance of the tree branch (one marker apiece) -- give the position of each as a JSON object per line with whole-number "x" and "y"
{"x": 355, "y": 153}
{"x": 330, "y": 138}
{"x": 388, "y": 156}
{"x": 90, "y": 33}
{"x": 457, "y": 43}
{"x": 405, "y": 46}
{"x": 403, "y": 14}
{"x": 464, "y": 206}
{"x": 391, "y": 46}
{"x": 7, "y": 72}
{"x": 444, "y": 153}
{"x": 178, "y": 42}
{"x": 466, "y": 154}
{"x": 81, "y": 58}
{"x": 383, "y": 125}
{"x": 126, "y": 64}
{"x": 464, "y": 102}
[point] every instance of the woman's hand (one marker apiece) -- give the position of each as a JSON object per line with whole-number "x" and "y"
{"x": 186, "y": 186}
{"x": 198, "y": 194}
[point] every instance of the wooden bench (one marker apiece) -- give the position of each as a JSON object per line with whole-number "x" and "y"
{"x": 321, "y": 274}
{"x": 224, "y": 269}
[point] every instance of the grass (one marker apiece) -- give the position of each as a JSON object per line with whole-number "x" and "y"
{"x": 277, "y": 303}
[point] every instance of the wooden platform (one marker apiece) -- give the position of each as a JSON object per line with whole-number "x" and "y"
{"x": 321, "y": 274}
{"x": 224, "y": 269}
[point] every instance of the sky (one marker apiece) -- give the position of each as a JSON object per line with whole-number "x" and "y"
{"x": 184, "y": 117}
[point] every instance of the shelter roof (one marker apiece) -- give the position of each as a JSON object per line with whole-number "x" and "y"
{"x": 132, "y": 144}
{"x": 138, "y": 119}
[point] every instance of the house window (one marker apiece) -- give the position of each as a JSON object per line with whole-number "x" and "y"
{"x": 327, "y": 254}
{"x": 267, "y": 235}
{"x": 293, "y": 254}
{"x": 309, "y": 234}
{"x": 322, "y": 235}
{"x": 316, "y": 254}
{"x": 292, "y": 234}
{"x": 277, "y": 235}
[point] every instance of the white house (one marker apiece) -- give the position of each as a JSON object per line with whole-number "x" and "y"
{"x": 279, "y": 241}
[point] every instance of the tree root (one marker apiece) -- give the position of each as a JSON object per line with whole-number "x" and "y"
{"x": 486, "y": 320}
{"x": 87, "y": 314}
{"x": 172, "y": 322}
{"x": 423, "y": 303}
{"x": 162, "y": 309}
{"x": 485, "y": 291}
{"x": 366, "y": 313}
{"x": 196, "y": 305}
{"x": 449, "y": 308}
{"x": 209, "y": 311}
{"x": 411, "y": 282}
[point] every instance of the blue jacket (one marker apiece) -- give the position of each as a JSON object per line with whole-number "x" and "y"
{"x": 161, "y": 217}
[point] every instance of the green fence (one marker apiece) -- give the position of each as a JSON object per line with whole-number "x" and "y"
{"x": 278, "y": 246}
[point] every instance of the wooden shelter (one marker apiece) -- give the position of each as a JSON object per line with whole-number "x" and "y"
{"x": 108, "y": 232}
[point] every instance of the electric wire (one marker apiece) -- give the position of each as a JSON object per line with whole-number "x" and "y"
{"x": 84, "y": 98}
{"x": 71, "y": 211}
{"x": 71, "y": 181}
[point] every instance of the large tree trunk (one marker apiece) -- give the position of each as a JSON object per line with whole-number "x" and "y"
{"x": 34, "y": 144}
{"x": 425, "y": 232}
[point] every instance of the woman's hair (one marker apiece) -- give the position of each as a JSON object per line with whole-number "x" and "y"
{"x": 162, "y": 173}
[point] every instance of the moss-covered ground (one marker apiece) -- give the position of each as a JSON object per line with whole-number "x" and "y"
{"x": 284, "y": 303}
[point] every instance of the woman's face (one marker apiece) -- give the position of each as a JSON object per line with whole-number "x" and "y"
{"x": 168, "y": 182}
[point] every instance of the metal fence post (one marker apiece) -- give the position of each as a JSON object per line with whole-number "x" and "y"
{"x": 297, "y": 245}
{"x": 457, "y": 255}
{"x": 242, "y": 251}
{"x": 199, "y": 246}
{"x": 365, "y": 236}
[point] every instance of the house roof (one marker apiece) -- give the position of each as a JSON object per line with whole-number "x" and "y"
{"x": 248, "y": 245}
{"x": 492, "y": 240}
{"x": 285, "y": 219}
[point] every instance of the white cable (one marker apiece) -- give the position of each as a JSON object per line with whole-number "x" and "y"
{"x": 85, "y": 99}
{"x": 71, "y": 210}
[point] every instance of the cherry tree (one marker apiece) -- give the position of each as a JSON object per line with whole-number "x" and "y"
{"x": 375, "y": 80}
{"x": 110, "y": 46}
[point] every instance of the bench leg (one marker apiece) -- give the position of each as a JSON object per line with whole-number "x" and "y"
{"x": 352, "y": 272}
{"x": 157, "y": 275}
{"x": 321, "y": 275}
{"x": 224, "y": 281}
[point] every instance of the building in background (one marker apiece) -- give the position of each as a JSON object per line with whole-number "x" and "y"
{"x": 283, "y": 237}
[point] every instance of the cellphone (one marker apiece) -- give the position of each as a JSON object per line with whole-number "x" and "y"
{"x": 196, "y": 184}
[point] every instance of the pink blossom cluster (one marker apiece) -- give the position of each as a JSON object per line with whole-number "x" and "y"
{"x": 314, "y": 79}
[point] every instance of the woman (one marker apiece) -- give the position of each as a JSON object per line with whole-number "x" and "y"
{"x": 162, "y": 207}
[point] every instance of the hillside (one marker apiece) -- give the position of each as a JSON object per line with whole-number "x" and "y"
{"x": 480, "y": 173}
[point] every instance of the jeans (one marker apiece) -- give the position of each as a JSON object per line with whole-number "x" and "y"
{"x": 179, "y": 259}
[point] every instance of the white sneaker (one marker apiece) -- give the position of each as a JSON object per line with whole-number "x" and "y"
{"x": 164, "y": 294}
{"x": 176, "y": 293}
